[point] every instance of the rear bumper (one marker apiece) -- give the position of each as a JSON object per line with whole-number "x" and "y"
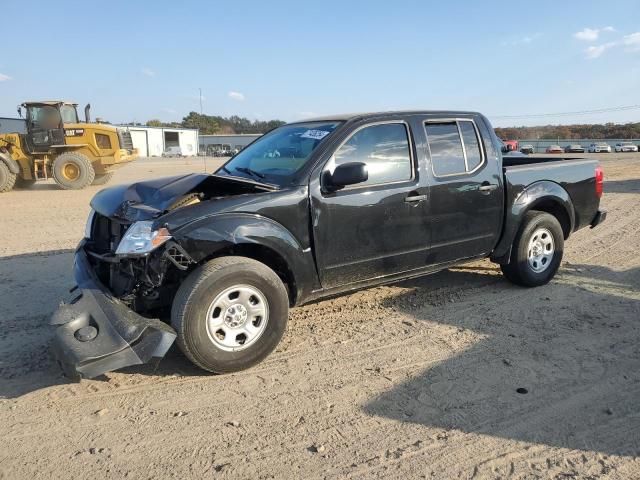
{"x": 97, "y": 333}
{"x": 600, "y": 217}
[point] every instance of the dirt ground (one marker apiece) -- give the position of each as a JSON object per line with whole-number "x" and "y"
{"x": 415, "y": 380}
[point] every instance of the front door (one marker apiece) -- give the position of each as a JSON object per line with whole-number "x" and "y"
{"x": 379, "y": 227}
{"x": 44, "y": 128}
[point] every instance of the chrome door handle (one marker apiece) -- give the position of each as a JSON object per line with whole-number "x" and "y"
{"x": 415, "y": 198}
{"x": 487, "y": 188}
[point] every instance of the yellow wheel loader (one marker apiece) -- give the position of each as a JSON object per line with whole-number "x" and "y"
{"x": 57, "y": 145}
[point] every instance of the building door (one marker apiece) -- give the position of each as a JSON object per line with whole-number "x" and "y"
{"x": 140, "y": 141}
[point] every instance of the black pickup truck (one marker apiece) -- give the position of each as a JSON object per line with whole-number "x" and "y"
{"x": 309, "y": 210}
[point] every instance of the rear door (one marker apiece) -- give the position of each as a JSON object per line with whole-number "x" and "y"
{"x": 466, "y": 195}
{"x": 379, "y": 227}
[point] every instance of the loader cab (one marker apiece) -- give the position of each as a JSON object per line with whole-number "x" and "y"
{"x": 45, "y": 124}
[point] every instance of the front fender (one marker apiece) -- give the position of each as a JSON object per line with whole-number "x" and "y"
{"x": 533, "y": 195}
{"x": 206, "y": 236}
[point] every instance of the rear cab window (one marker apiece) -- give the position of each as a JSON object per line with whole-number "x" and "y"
{"x": 454, "y": 147}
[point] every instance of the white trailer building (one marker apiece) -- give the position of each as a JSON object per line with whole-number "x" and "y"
{"x": 233, "y": 141}
{"x": 153, "y": 141}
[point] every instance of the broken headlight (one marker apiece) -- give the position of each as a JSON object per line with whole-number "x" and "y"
{"x": 141, "y": 239}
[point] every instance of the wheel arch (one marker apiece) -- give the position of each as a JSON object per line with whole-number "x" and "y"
{"x": 263, "y": 254}
{"x": 544, "y": 196}
{"x": 252, "y": 236}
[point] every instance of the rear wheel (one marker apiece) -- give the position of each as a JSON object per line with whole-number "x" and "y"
{"x": 73, "y": 171}
{"x": 230, "y": 314}
{"x": 7, "y": 178}
{"x": 101, "y": 179}
{"x": 537, "y": 250}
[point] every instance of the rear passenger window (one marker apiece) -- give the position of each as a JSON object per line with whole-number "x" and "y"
{"x": 384, "y": 148}
{"x": 449, "y": 156}
{"x": 471, "y": 145}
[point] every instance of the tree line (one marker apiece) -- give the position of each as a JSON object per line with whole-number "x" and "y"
{"x": 212, "y": 124}
{"x": 550, "y": 132}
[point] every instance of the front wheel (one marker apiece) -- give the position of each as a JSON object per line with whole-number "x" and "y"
{"x": 73, "y": 171}
{"x": 230, "y": 313}
{"x": 537, "y": 250}
{"x": 7, "y": 178}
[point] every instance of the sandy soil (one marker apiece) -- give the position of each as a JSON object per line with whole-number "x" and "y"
{"x": 415, "y": 380}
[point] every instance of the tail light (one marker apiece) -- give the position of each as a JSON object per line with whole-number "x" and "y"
{"x": 599, "y": 181}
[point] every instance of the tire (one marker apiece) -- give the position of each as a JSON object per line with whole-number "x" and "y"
{"x": 527, "y": 269}
{"x": 7, "y": 178}
{"x": 24, "y": 183}
{"x": 208, "y": 292}
{"x": 73, "y": 171}
{"x": 101, "y": 179}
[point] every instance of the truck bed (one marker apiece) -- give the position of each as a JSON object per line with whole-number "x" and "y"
{"x": 575, "y": 175}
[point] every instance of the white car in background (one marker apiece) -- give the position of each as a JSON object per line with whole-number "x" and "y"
{"x": 172, "y": 152}
{"x": 599, "y": 148}
{"x": 626, "y": 147}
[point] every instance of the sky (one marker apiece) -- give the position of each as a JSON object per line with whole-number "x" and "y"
{"x": 134, "y": 61}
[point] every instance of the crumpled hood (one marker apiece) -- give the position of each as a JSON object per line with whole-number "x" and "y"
{"x": 144, "y": 200}
{"x": 152, "y": 198}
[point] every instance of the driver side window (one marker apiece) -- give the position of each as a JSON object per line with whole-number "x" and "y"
{"x": 384, "y": 148}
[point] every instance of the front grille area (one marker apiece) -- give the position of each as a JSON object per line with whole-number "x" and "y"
{"x": 146, "y": 283}
{"x": 124, "y": 136}
{"x": 106, "y": 234}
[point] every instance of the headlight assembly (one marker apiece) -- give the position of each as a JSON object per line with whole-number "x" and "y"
{"x": 141, "y": 239}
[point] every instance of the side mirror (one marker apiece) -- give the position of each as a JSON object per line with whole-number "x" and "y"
{"x": 348, "y": 174}
{"x": 505, "y": 149}
{"x": 20, "y": 111}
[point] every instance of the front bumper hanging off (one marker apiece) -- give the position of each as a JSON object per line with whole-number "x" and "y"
{"x": 97, "y": 333}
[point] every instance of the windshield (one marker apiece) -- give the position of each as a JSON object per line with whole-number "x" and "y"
{"x": 279, "y": 154}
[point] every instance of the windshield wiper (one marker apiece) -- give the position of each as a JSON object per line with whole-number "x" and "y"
{"x": 226, "y": 170}
{"x": 251, "y": 172}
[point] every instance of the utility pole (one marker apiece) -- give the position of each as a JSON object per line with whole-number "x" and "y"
{"x": 204, "y": 161}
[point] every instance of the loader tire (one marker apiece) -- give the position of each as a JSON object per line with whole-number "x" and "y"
{"x": 7, "y": 178}
{"x": 101, "y": 179}
{"x": 73, "y": 171}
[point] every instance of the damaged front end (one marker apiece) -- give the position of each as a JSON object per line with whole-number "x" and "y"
{"x": 127, "y": 270}
{"x": 112, "y": 320}
{"x": 98, "y": 333}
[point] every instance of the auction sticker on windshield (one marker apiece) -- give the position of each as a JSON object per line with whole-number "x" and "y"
{"x": 315, "y": 134}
